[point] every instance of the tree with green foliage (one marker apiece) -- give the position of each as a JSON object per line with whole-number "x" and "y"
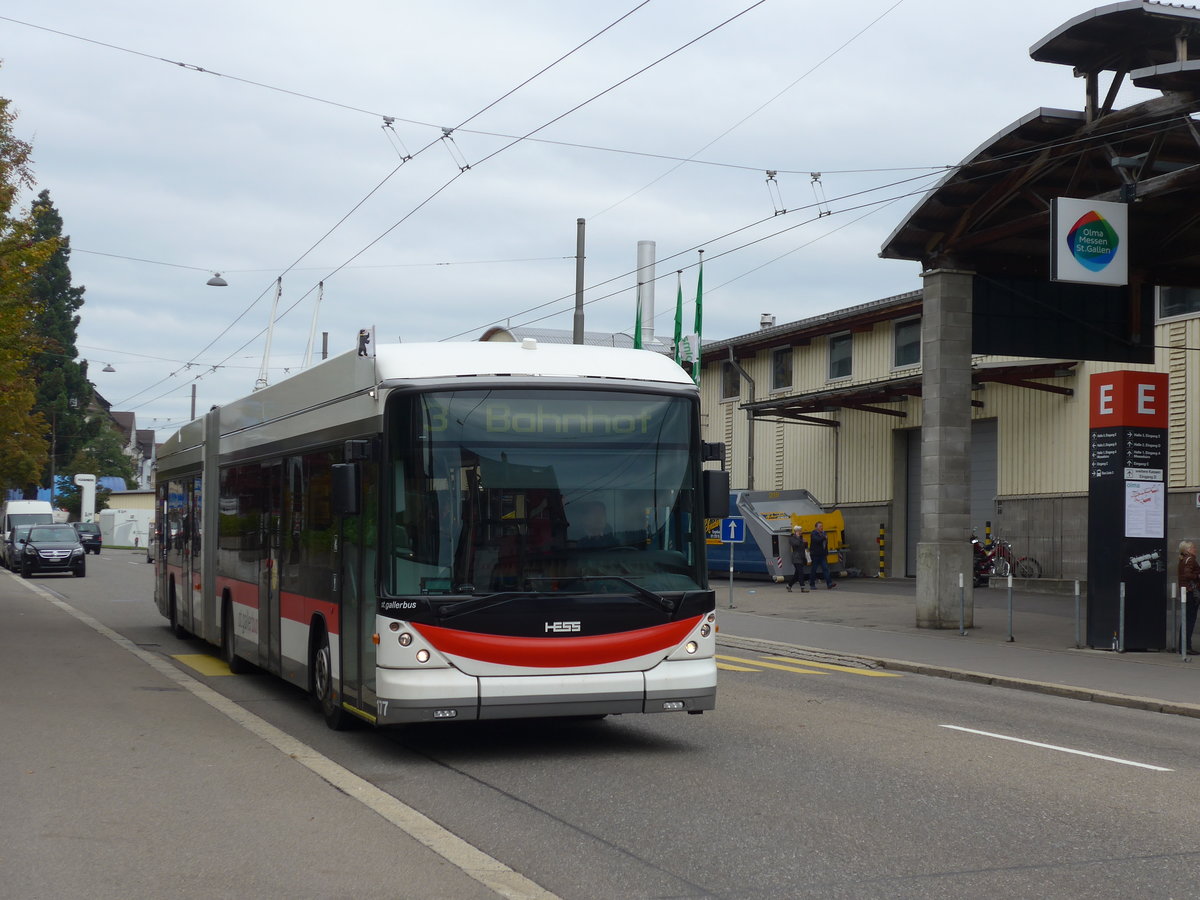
{"x": 103, "y": 456}
{"x": 23, "y": 253}
{"x": 64, "y": 393}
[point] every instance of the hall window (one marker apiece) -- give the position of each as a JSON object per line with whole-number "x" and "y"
{"x": 1178, "y": 301}
{"x": 906, "y": 343}
{"x": 731, "y": 382}
{"x": 781, "y": 368}
{"x": 840, "y": 352}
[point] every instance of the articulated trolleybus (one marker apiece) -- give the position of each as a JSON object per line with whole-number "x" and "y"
{"x": 453, "y": 531}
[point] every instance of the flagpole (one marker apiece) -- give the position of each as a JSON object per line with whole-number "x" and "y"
{"x": 699, "y": 318}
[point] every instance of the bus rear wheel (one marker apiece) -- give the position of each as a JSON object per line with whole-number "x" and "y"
{"x": 322, "y": 686}
{"x": 176, "y": 628}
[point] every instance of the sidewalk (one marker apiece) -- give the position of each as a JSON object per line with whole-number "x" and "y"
{"x": 120, "y": 783}
{"x": 873, "y": 620}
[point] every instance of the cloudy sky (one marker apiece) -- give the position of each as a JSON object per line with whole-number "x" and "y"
{"x": 305, "y": 141}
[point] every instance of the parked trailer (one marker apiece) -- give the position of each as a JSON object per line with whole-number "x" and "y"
{"x": 126, "y": 527}
{"x": 770, "y": 516}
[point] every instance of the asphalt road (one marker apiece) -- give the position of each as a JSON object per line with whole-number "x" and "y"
{"x": 807, "y": 781}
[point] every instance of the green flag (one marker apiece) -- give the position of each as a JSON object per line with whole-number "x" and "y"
{"x": 678, "y": 315}
{"x": 637, "y": 322}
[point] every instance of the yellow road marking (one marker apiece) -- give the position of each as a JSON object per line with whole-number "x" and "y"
{"x": 731, "y": 668}
{"x": 204, "y": 664}
{"x": 769, "y": 665}
{"x": 870, "y": 673}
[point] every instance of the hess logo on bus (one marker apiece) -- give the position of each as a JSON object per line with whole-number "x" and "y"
{"x": 562, "y": 627}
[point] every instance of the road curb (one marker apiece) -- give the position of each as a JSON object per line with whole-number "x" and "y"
{"x": 1006, "y": 681}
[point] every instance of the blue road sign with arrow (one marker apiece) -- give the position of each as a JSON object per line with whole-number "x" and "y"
{"x": 733, "y": 531}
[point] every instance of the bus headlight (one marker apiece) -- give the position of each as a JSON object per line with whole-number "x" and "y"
{"x": 405, "y": 639}
{"x": 691, "y": 647}
{"x": 422, "y": 655}
{"x": 705, "y": 630}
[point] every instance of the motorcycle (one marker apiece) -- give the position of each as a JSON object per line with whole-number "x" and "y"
{"x": 999, "y": 561}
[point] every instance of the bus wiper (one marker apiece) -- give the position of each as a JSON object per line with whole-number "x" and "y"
{"x": 644, "y": 594}
{"x": 475, "y": 603}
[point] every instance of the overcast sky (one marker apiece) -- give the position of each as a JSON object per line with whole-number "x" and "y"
{"x": 178, "y": 140}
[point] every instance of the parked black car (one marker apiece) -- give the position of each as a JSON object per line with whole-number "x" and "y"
{"x": 89, "y": 536}
{"x": 10, "y": 551}
{"x": 51, "y": 548}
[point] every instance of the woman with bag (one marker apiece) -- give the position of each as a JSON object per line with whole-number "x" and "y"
{"x": 1189, "y": 578}
{"x": 800, "y": 557}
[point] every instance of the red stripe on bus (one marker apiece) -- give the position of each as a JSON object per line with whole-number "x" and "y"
{"x": 295, "y": 607}
{"x": 557, "y": 652}
{"x": 300, "y": 609}
{"x": 239, "y": 591}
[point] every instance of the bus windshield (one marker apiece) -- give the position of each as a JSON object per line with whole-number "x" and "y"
{"x": 544, "y": 491}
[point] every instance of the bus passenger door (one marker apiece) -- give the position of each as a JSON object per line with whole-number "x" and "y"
{"x": 270, "y": 571}
{"x": 357, "y": 541}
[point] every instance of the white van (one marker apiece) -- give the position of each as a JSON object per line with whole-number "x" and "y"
{"x": 27, "y": 512}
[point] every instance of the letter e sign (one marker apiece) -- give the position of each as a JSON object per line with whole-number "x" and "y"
{"x": 1129, "y": 400}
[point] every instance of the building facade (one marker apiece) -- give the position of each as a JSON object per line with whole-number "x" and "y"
{"x": 833, "y": 405}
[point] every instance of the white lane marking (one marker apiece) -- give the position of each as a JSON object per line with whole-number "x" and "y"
{"x": 1005, "y": 737}
{"x": 469, "y": 859}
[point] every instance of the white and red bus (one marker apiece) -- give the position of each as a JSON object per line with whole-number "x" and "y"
{"x": 453, "y": 531}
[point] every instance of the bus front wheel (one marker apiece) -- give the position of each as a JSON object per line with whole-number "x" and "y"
{"x": 322, "y": 687}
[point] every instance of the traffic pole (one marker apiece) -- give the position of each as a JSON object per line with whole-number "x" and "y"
{"x": 731, "y": 575}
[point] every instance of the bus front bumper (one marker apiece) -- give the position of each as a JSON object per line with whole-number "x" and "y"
{"x": 448, "y": 695}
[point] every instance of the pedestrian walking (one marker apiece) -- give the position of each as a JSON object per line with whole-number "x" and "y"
{"x": 1189, "y": 579}
{"x": 800, "y": 557}
{"x": 818, "y": 548}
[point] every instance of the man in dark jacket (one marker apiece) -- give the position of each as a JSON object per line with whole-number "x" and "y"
{"x": 818, "y": 548}
{"x": 799, "y": 557}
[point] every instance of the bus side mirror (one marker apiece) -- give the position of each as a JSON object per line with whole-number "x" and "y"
{"x": 716, "y": 493}
{"x": 345, "y": 489}
{"x": 712, "y": 451}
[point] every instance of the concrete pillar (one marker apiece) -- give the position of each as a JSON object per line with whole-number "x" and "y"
{"x": 944, "y": 548}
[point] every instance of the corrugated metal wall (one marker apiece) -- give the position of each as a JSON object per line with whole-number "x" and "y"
{"x": 1041, "y": 438}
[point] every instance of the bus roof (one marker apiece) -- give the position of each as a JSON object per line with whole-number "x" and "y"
{"x": 340, "y": 389}
{"x": 443, "y": 360}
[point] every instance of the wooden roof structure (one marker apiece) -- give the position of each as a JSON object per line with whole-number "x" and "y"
{"x": 991, "y": 214}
